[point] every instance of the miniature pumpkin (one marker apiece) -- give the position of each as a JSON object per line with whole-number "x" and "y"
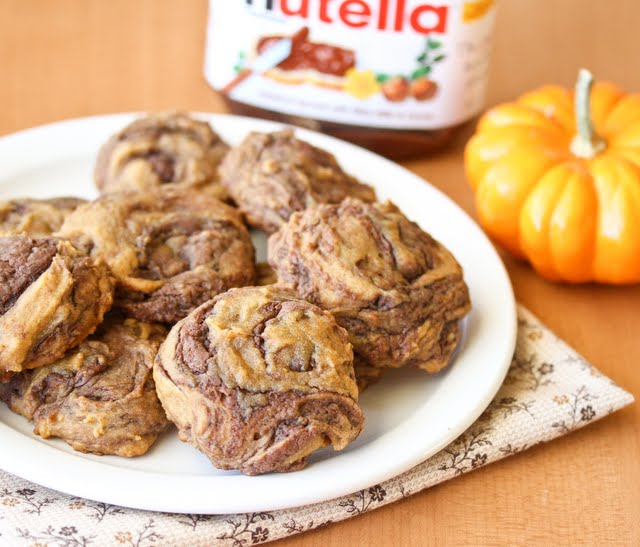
{"x": 557, "y": 180}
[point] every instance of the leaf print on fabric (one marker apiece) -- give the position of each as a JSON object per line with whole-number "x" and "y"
{"x": 294, "y": 527}
{"x": 242, "y": 529}
{"x": 461, "y": 453}
{"x": 67, "y": 536}
{"x": 528, "y": 373}
{"x": 192, "y": 520}
{"x": 510, "y": 405}
{"x": 30, "y": 501}
{"x": 576, "y": 411}
{"x": 146, "y": 535}
{"x": 95, "y": 509}
{"x": 549, "y": 391}
{"x": 362, "y": 500}
{"x": 510, "y": 450}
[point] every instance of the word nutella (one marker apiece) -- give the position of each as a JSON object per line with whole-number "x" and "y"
{"x": 423, "y": 18}
{"x": 397, "y": 76}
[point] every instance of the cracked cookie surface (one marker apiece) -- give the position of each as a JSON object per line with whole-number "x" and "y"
{"x": 162, "y": 150}
{"x": 100, "y": 397}
{"x": 258, "y": 381}
{"x": 35, "y": 217}
{"x": 398, "y": 292}
{"x": 169, "y": 250}
{"x": 52, "y": 296}
{"x": 272, "y": 175}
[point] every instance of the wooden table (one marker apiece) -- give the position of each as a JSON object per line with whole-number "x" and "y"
{"x": 80, "y": 57}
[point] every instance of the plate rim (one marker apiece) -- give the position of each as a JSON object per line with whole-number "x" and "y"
{"x": 152, "y": 497}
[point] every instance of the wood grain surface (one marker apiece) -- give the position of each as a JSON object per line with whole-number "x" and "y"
{"x": 68, "y": 58}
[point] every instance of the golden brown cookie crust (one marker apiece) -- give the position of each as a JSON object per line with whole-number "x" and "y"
{"x": 272, "y": 175}
{"x": 52, "y": 296}
{"x": 258, "y": 381}
{"x": 169, "y": 250}
{"x": 100, "y": 397}
{"x": 399, "y": 293}
{"x": 171, "y": 149}
{"x": 265, "y": 274}
{"x": 35, "y": 217}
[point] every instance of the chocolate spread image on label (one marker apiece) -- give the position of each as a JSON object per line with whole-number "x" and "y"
{"x": 397, "y": 65}
{"x": 307, "y": 55}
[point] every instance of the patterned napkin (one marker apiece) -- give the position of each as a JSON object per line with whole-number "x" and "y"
{"x": 549, "y": 391}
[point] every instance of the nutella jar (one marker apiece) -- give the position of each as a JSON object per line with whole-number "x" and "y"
{"x": 396, "y": 76}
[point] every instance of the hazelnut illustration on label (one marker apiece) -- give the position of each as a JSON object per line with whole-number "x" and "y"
{"x": 417, "y": 84}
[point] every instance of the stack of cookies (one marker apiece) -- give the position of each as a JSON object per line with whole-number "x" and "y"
{"x": 145, "y": 306}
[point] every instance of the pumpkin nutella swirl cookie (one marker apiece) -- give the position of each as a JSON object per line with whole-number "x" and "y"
{"x": 159, "y": 150}
{"x": 169, "y": 250}
{"x": 272, "y": 175}
{"x": 100, "y": 397}
{"x": 399, "y": 293}
{"x": 258, "y": 381}
{"x": 52, "y": 296}
{"x": 35, "y": 217}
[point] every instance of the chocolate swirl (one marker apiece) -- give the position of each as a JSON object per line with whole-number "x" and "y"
{"x": 52, "y": 296}
{"x": 35, "y": 217}
{"x": 100, "y": 397}
{"x": 169, "y": 250}
{"x": 399, "y": 293}
{"x": 272, "y": 175}
{"x": 258, "y": 381}
{"x": 159, "y": 150}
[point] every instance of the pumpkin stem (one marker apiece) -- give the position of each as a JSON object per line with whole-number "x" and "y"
{"x": 586, "y": 143}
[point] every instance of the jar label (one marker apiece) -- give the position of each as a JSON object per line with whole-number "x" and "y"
{"x": 401, "y": 64}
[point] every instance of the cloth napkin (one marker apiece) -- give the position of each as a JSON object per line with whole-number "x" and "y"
{"x": 549, "y": 391}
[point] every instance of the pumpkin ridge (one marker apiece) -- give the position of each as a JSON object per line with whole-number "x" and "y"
{"x": 572, "y": 211}
{"x": 605, "y": 96}
{"x": 576, "y": 268}
{"x": 619, "y": 154}
{"x": 516, "y": 114}
{"x": 555, "y": 97}
{"x": 619, "y": 119}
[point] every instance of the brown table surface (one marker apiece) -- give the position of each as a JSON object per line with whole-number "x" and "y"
{"x": 80, "y": 57}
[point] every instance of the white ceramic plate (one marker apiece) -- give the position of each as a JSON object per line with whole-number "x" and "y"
{"x": 409, "y": 415}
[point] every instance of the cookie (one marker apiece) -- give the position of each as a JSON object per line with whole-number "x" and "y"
{"x": 52, "y": 296}
{"x": 35, "y": 217}
{"x": 100, "y": 397}
{"x": 367, "y": 375}
{"x": 258, "y": 381}
{"x": 162, "y": 150}
{"x": 272, "y": 175}
{"x": 399, "y": 293}
{"x": 265, "y": 274}
{"x": 169, "y": 250}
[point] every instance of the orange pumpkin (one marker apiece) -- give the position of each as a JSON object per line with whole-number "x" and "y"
{"x": 557, "y": 180}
